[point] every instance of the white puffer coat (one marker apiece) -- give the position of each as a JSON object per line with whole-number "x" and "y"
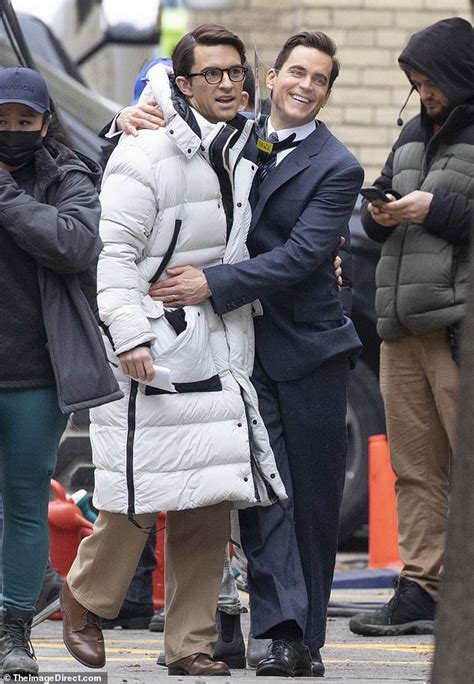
{"x": 196, "y": 447}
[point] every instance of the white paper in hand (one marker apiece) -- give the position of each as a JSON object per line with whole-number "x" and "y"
{"x": 162, "y": 379}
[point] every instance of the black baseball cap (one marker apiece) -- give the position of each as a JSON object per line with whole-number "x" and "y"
{"x": 24, "y": 86}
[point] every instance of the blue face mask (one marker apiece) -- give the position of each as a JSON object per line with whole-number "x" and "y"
{"x": 18, "y": 147}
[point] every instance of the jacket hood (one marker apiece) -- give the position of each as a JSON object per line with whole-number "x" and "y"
{"x": 444, "y": 51}
{"x": 53, "y": 160}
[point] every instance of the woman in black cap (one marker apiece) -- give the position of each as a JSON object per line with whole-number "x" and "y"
{"x": 52, "y": 361}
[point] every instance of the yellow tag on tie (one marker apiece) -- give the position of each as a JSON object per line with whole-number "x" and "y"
{"x": 264, "y": 146}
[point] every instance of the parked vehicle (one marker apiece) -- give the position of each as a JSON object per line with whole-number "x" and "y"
{"x": 25, "y": 39}
{"x": 365, "y": 412}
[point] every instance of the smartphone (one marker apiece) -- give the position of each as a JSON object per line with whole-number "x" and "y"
{"x": 375, "y": 195}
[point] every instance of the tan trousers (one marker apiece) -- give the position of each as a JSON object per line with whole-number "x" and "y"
{"x": 419, "y": 383}
{"x": 195, "y": 544}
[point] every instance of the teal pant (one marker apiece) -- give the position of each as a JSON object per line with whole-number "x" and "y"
{"x": 31, "y": 426}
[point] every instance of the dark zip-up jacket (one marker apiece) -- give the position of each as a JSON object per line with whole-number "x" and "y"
{"x": 59, "y": 228}
{"x": 423, "y": 271}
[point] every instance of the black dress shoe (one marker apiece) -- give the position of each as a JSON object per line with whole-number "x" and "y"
{"x": 286, "y": 659}
{"x": 317, "y": 664}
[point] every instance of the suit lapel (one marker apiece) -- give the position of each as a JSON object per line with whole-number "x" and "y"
{"x": 295, "y": 162}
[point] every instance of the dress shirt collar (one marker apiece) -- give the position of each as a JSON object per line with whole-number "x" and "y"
{"x": 300, "y": 132}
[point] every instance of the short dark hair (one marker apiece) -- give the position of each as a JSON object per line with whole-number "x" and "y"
{"x": 317, "y": 40}
{"x": 206, "y": 34}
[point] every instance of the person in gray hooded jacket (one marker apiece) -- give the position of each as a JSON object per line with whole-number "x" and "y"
{"x": 421, "y": 298}
{"x": 52, "y": 360}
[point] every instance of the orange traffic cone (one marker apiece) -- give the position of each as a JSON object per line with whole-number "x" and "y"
{"x": 383, "y": 521}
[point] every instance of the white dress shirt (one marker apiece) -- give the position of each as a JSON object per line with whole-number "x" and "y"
{"x": 301, "y": 132}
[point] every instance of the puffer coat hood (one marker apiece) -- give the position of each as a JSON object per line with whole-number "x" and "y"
{"x": 444, "y": 51}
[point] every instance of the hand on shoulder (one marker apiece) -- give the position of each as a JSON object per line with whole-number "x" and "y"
{"x": 144, "y": 115}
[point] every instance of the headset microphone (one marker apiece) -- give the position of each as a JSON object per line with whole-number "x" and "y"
{"x": 400, "y": 120}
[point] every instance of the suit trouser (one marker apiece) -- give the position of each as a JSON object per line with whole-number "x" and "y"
{"x": 291, "y": 547}
{"x": 195, "y": 543}
{"x": 419, "y": 382}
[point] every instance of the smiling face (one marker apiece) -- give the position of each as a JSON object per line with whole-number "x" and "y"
{"x": 300, "y": 88}
{"x": 219, "y": 102}
{"x": 432, "y": 97}
{"x": 18, "y": 117}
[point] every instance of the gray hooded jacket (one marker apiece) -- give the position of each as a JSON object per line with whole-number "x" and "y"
{"x": 59, "y": 228}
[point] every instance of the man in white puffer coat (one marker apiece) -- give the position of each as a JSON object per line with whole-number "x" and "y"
{"x": 196, "y": 445}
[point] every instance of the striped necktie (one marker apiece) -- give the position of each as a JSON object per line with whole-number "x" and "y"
{"x": 268, "y": 161}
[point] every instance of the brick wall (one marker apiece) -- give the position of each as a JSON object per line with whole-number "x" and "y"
{"x": 370, "y": 34}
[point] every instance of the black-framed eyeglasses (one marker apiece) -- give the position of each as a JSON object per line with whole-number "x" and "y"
{"x": 215, "y": 75}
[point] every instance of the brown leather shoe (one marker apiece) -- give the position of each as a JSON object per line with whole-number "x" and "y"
{"x": 198, "y": 665}
{"x": 82, "y": 635}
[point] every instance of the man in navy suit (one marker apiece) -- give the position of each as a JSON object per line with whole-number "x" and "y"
{"x": 304, "y": 349}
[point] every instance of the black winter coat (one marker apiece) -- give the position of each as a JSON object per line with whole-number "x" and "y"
{"x": 423, "y": 272}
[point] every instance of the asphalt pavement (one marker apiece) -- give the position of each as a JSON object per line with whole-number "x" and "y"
{"x": 131, "y": 654}
{"x": 131, "y": 657}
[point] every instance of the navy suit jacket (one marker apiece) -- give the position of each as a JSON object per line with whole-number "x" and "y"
{"x": 300, "y": 213}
